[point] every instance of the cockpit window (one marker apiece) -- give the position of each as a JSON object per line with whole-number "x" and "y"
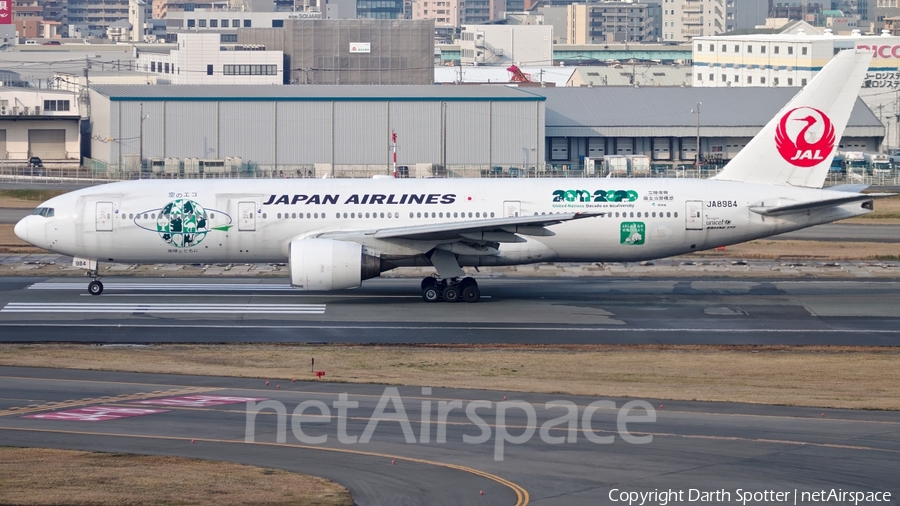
{"x": 46, "y": 212}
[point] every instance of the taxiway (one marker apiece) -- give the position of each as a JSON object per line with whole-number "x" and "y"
{"x": 706, "y": 446}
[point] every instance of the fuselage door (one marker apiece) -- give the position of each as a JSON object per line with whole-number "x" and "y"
{"x": 693, "y": 214}
{"x": 246, "y": 216}
{"x": 512, "y": 208}
{"x": 104, "y": 217}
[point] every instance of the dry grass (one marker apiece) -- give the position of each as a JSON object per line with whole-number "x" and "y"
{"x": 862, "y": 378}
{"x": 32, "y": 476}
{"x": 26, "y": 199}
{"x": 9, "y": 243}
{"x": 768, "y": 249}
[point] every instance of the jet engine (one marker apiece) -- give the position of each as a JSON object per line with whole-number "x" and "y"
{"x": 326, "y": 264}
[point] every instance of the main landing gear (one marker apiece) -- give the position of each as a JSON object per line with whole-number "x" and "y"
{"x": 450, "y": 290}
{"x": 95, "y": 287}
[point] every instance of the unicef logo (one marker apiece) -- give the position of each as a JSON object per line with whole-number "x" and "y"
{"x": 182, "y": 223}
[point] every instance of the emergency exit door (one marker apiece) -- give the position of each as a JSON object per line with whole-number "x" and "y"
{"x": 693, "y": 214}
{"x": 104, "y": 217}
{"x": 246, "y": 216}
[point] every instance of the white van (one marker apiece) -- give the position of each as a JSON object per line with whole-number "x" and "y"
{"x": 32, "y": 43}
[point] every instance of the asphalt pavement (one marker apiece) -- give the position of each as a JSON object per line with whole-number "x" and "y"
{"x": 845, "y": 232}
{"x": 11, "y": 215}
{"x": 577, "y": 310}
{"x": 501, "y": 454}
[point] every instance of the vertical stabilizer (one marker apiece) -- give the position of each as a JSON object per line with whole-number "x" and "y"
{"x": 796, "y": 146}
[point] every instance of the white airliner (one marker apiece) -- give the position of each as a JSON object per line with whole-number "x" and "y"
{"x": 335, "y": 233}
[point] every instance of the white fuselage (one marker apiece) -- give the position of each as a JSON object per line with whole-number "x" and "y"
{"x": 255, "y": 220}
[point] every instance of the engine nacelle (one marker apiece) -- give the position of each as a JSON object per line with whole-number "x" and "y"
{"x": 326, "y": 264}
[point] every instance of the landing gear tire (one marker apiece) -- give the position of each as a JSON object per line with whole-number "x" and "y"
{"x": 431, "y": 294}
{"x": 451, "y": 294}
{"x": 428, "y": 282}
{"x": 95, "y": 288}
{"x": 470, "y": 292}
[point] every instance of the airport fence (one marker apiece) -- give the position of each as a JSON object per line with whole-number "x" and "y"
{"x": 93, "y": 171}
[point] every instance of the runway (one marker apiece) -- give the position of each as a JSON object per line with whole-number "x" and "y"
{"x": 12, "y": 215}
{"x": 845, "y": 232}
{"x": 576, "y": 310}
{"x": 707, "y": 446}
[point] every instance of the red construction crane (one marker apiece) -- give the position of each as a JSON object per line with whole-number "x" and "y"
{"x": 517, "y": 75}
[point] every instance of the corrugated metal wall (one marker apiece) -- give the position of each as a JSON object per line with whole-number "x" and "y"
{"x": 418, "y": 131}
{"x": 101, "y": 128}
{"x": 469, "y": 132}
{"x": 308, "y": 132}
{"x": 515, "y": 136}
{"x": 361, "y": 135}
{"x": 191, "y": 129}
{"x": 247, "y": 129}
{"x": 303, "y": 132}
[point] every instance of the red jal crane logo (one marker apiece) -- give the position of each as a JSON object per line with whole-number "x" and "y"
{"x": 805, "y": 137}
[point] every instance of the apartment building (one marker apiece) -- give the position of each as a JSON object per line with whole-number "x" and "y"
{"x": 613, "y": 22}
{"x": 686, "y": 19}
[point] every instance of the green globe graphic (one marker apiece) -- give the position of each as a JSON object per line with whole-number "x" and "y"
{"x": 182, "y": 223}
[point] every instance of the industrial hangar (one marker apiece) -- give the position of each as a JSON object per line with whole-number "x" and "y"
{"x": 662, "y": 122}
{"x": 323, "y": 129}
{"x": 468, "y": 130}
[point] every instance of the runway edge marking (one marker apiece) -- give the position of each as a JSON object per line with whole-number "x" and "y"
{"x": 50, "y": 406}
{"x": 522, "y": 496}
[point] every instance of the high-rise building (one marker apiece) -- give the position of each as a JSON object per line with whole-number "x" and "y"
{"x": 37, "y": 18}
{"x": 612, "y": 22}
{"x": 379, "y": 9}
{"x": 95, "y": 15}
{"x": 351, "y": 51}
{"x": 685, "y": 19}
{"x": 482, "y": 11}
{"x": 443, "y": 12}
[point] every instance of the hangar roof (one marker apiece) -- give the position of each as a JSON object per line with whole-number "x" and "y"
{"x": 629, "y": 111}
{"x": 124, "y": 92}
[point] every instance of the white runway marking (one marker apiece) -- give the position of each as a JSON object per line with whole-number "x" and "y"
{"x": 98, "y": 307}
{"x": 166, "y": 287}
{"x": 326, "y": 326}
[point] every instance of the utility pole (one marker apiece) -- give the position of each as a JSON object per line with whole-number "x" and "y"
{"x": 141, "y": 145}
{"x": 444, "y": 136}
{"x": 897, "y": 117}
{"x": 141, "y": 142}
{"x": 697, "y": 158}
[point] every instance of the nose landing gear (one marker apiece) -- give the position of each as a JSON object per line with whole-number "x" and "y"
{"x": 95, "y": 287}
{"x": 450, "y": 290}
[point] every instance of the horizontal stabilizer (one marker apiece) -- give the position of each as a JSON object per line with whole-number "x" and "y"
{"x": 849, "y": 188}
{"x": 816, "y": 204}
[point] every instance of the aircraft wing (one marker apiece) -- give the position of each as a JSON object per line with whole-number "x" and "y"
{"x": 816, "y": 204}
{"x": 492, "y": 229}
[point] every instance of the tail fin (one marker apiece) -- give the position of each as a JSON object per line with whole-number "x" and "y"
{"x": 795, "y": 148}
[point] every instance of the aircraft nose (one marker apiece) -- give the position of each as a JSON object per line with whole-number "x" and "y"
{"x": 21, "y": 229}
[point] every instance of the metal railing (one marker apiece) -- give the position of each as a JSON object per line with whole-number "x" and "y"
{"x": 93, "y": 172}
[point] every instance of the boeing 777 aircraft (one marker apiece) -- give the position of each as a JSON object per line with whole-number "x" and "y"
{"x": 335, "y": 233}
